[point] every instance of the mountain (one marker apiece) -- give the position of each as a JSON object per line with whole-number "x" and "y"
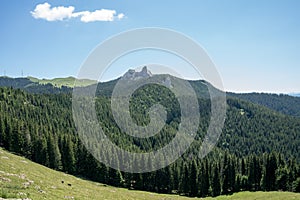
{"x": 258, "y": 149}
{"x": 134, "y": 75}
{"x": 285, "y": 104}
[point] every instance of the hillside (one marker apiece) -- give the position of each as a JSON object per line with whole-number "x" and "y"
{"x": 44, "y": 86}
{"x": 41, "y": 127}
{"x": 59, "y": 82}
{"x": 32, "y": 87}
{"x": 21, "y": 178}
{"x": 283, "y": 103}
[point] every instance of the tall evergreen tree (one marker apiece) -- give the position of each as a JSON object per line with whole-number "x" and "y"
{"x": 216, "y": 182}
{"x": 68, "y": 155}
{"x": 53, "y": 153}
{"x": 193, "y": 180}
{"x": 184, "y": 186}
{"x": 270, "y": 172}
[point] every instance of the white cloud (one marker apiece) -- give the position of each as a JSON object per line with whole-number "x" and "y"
{"x": 120, "y": 16}
{"x": 98, "y": 15}
{"x": 44, "y": 11}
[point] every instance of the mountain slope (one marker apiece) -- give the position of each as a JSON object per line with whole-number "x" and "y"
{"x": 32, "y": 87}
{"x": 21, "y": 178}
{"x": 59, "y": 82}
{"x": 48, "y": 86}
{"x": 285, "y": 104}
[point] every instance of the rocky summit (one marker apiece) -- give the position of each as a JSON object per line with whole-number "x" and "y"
{"x": 134, "y": 75}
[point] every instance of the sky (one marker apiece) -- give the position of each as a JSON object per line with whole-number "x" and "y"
{"x": 255, "y": 45}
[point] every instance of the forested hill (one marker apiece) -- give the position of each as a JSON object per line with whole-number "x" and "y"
{"x": 258, "y": 148}
{"x": 32, "y": 86}
{"x": 286, "y": 104}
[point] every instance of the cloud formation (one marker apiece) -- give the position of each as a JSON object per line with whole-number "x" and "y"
{"x": 97, "y": 15}
{"x": 44, "y": 11}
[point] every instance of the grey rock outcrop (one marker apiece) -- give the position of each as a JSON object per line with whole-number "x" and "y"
{"x": 134, "y": 75}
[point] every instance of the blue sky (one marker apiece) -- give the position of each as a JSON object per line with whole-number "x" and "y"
{"x": 254, "y": 44}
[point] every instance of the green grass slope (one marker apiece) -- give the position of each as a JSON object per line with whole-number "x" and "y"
{"x": 68, "y": 81}
{"x": 23, "y": 179}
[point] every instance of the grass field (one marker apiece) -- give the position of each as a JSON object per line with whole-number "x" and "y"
{"x": 68, "y": 81}
{"x": 21, "y": 178}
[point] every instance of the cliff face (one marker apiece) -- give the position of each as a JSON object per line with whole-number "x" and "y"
{"x": 134, "y": 75}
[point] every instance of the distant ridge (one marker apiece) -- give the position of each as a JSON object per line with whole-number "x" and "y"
{"x": 294, "y": 94}
{"x": 59, "y": 82}
{"x": 283, "y": 103}
{"x": 288, "y": 104}
{"x": 31, "y": 86}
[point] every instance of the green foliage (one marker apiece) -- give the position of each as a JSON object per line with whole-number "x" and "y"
{"x": 216, "y": 182}
{"x": 252, "y": 129}
{"x": 248, "y": 155}
{"x": 282, "y": 103}
{"x": 296, "y": 185}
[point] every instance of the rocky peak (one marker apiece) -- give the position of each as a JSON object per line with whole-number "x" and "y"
{"x": 131, "y": 74}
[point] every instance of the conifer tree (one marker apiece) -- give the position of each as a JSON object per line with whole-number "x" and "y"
{"x": 216, "y": 182}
